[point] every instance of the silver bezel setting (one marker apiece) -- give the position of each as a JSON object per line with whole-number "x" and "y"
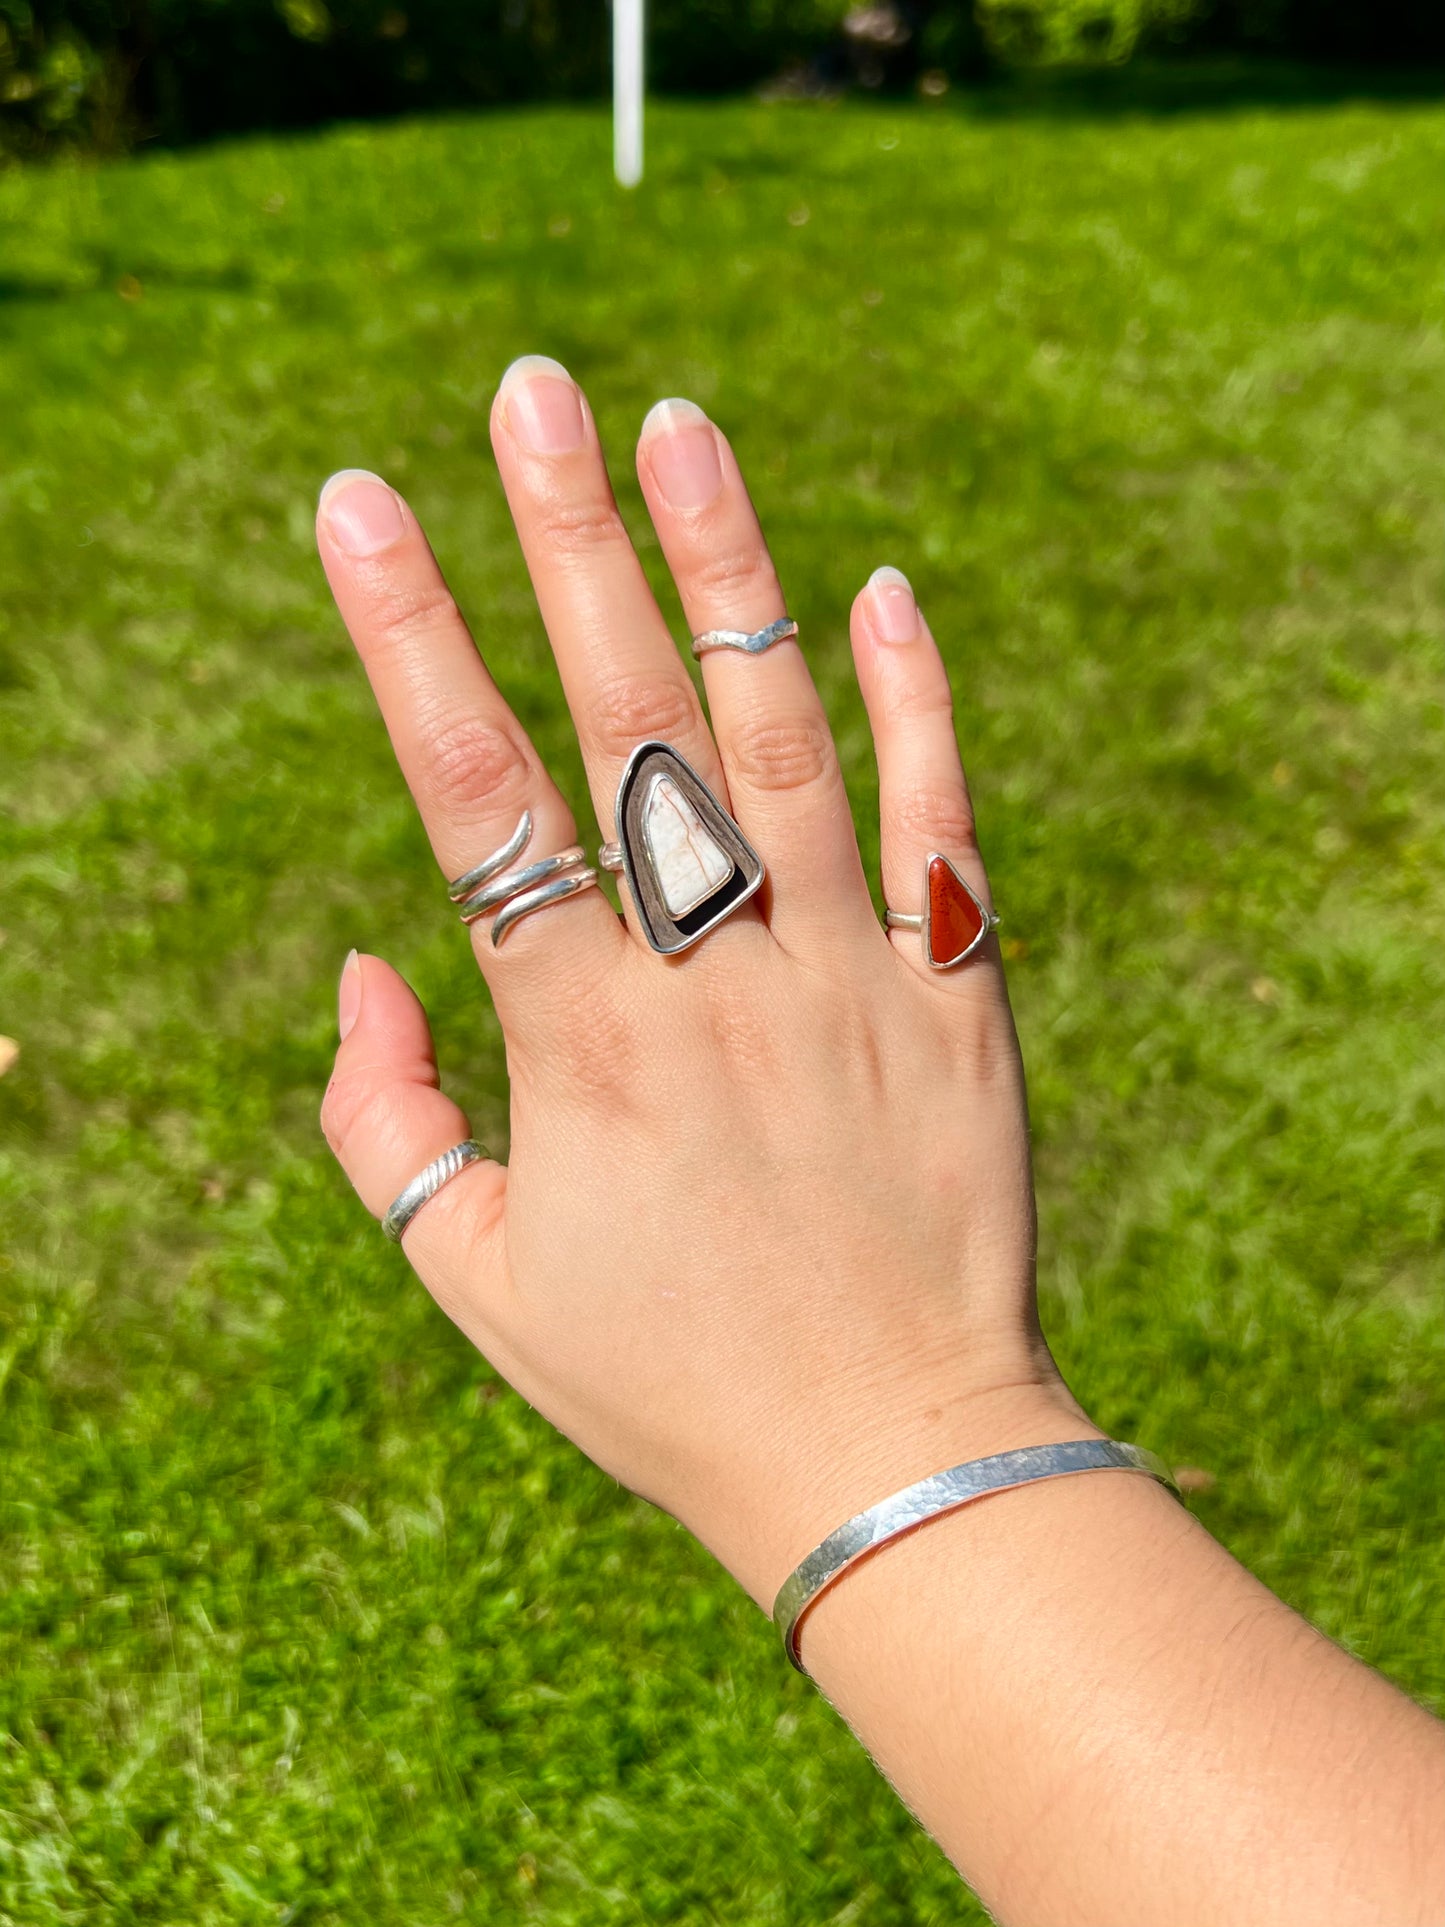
{"x": 666, "y": 934}
{"x": 923, "y": 923}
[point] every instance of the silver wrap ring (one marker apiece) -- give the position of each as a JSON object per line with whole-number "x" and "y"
{"x": 515, "y": 894}
{"x": 745, "y": 642}
{"x": 425, "y": 1185}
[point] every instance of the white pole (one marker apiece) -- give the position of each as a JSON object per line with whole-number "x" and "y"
{"x": 627, "y": 91}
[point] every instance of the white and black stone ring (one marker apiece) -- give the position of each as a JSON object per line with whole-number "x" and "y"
{"x": 686, "y": 862}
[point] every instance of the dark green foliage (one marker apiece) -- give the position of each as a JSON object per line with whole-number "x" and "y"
{"x": 183, "y": 69}
{"x": 303, "y": 1618}
{"x": 107, "y": 71}
{"x": 1355, "y": 30}
{"x": 717, "y": 46}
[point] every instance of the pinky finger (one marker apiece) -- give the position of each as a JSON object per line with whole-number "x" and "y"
{"x": 386, "y": 1118}
{"x": 922, "y": 793}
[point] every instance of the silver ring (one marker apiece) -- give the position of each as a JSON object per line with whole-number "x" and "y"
{"x": 749, "y": 644}
{"x": 954, "y": 921}
{"x": 686, "y": 862}
{"x": 463, "y": 886}
{"x": 425, "y": 1185}
{"x": 512, "y": 881}
{"x": 551, "y": 879}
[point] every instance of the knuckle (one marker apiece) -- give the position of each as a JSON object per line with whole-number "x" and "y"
{"x": 354, "y": 1103}
{"x": 725, "y": 576}
{"x": 595, "y": 1063}
{"x": 922, "y": 698}
{"x": 603, "y": 1064}
{"x": 982, "y": 1037}
{"x": 579, "y": 525}
{"x": 628, "y": 710}
{"x": 473, "y": 765}
{"x": 789, "y": 755}
{"x": 937, "y": 814}
{"x": 745, "y": 1036}
{"x": 400, "y": 615}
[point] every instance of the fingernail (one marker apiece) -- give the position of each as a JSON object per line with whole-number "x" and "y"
{"x": 348, "y": 995}
{"x": 682, "y": 448}
{"x": 361, "y": 512}
{"x": 897, "y": 612}
{"x": 543, "y": 405}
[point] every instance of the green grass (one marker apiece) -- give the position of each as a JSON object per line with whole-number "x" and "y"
{"x": 302, "y": 1617}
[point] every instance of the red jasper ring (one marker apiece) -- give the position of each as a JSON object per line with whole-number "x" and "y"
{"x": 955, "y": 919}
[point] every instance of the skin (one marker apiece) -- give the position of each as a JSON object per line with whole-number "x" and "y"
{"x": 1097, "y": 1712}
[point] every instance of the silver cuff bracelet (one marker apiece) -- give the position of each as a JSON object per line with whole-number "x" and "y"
{"x": 930, "y": 1498}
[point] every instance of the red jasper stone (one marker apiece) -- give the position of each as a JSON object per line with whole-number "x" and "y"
{"x": 955, "y": 916}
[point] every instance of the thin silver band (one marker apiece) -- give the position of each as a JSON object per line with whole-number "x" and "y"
{"x": 930, "y": 1498}
{"x": 609, "y": 857}
{"x": 748, "y": 643}
{"x": 551, "y": 879}
{"x": 425, "y": 1185}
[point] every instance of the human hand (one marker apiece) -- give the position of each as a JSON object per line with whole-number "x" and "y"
{"x": 764, "y": 1246}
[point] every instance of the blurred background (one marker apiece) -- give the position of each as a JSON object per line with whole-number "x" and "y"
{"x": 1118, "y": 326}
{"x": 108, "y": 74}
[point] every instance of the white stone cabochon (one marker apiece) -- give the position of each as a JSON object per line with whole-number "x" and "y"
{"x": 689, "y": 864}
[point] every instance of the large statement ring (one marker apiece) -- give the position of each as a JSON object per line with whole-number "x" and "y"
{"x": 551, "y": 879}
{"x": 425, "y": 1185}
{"x": 955, "y": 919}
{"x": 686, "y": 862}
{"x": 750, "y": 643}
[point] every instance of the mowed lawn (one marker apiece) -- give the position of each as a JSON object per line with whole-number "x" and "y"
{"x": 304, "y": 1617}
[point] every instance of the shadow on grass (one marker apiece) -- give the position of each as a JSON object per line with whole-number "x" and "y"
{"x": 107, "y": 271}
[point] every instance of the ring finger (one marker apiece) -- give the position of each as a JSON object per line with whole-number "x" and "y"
{"x": 772, "y": 731}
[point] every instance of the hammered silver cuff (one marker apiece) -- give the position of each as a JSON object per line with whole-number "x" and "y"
{"x": 932, "y": 1497}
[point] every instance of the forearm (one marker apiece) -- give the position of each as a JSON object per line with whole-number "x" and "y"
{"x": 1103, "y": 1717}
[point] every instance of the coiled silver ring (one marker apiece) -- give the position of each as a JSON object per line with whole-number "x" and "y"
{"x": 548, "y": 880}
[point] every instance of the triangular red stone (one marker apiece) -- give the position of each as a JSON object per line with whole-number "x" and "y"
{"x": 956, "y": 918}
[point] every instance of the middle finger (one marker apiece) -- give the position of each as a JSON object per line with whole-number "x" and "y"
{"x": 623, "y": 678}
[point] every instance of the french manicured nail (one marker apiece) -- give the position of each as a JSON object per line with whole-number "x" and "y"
{"x": 682, "y": 448}
{"x": 348, "y": 995}
{"x": 897, "y": 612}
{"x": 361, "y": 512}
{"x": 543, "y": 405}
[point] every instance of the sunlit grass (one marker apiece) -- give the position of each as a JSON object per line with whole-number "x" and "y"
{"x": 302, "y": 1618}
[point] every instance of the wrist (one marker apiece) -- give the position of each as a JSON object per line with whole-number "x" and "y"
{"x": 847, "y": 1460}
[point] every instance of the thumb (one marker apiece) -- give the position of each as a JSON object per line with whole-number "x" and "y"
{"x": 386, "y": 1118}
